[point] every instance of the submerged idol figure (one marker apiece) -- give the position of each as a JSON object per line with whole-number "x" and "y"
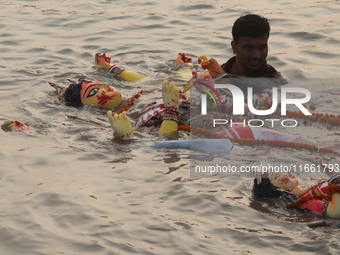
{"x": 322, "y": 199}
{"x": 87, "y": 92}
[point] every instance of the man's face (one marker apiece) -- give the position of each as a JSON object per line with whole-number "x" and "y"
{"x": 251, "y": 52}
{"x": 93, "y": 92}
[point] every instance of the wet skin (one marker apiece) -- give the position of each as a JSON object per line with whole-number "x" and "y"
{"x": 251, "y": 54}
{"x": 96, "y": 93}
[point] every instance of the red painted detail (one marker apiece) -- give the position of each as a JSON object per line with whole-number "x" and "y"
{"x": 321, "y": 188}
{"x": 237, "y": 131}
{"x": 285, "y": 180}
{"x": 244, "y": 131}
{"x": 104, "y": 98}
{"x": 216, "y": 69}
{"x": 314, "y": 205}
{"x": 103, "y": 56}
{"x": 204, "y": 65}
{"x": 149, "y": 116}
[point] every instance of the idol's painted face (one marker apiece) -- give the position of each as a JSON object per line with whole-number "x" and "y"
{"x": 284, "y": 180}
{"x": 13, "y": 125}
{"x": 94, "y": 92}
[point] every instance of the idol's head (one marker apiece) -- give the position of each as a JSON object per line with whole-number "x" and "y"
{"x": 87, "y": 92}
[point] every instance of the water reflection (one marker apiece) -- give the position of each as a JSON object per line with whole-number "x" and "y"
{"x": 104, "y": 196}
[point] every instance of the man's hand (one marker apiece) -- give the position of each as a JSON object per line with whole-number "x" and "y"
{"x": 121, "y": 125}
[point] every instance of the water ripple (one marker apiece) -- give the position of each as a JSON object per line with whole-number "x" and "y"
{"x": 69, "y": 187}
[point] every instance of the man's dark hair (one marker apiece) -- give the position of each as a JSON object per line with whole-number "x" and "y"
{"x": 72, "y": 95}
{"x": 251, "y": 25}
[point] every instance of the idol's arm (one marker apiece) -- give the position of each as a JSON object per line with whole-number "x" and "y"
{"x": 170, "y": 94}
{"x": 333, "y": 208}
{"x": 104, "y": 62}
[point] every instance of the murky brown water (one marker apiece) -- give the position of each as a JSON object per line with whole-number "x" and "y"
{"x": 68, "y": 187}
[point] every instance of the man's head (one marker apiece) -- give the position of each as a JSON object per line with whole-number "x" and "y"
{"x": 250, "y": 43}
{"x": 250, "y": 25}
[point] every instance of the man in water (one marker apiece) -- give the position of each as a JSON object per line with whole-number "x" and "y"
{"x": 250, "y": 45}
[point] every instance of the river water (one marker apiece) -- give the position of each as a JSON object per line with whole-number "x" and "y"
{"x": 68, "y": 187}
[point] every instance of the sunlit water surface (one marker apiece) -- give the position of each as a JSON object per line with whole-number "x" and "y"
{"x": 68, "y": 187}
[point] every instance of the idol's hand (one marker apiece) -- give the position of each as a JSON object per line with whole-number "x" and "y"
{"x": 13, "y": 125}
{"x": 121, "y": 125}
{"x": 102, "y": 61}
{"x": 170, "y": 94}
{"x": 203, "y": 81}
{"x": 203, "y": 60}
{"x": 182, "y": 59}
{"x": 213, "y": 67}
